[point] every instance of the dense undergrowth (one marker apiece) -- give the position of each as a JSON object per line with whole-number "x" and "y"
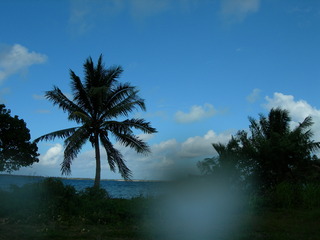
{"x": 51, "y": 210}
{"x": 287, "y": 195}
{"x": 50, "y": 200}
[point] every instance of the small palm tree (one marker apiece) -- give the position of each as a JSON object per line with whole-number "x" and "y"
{"x": 97, "y": 102}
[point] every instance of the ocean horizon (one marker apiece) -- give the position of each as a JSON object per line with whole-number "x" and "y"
{"x": 84, "y": 178}
{"x": 117, "y": 188}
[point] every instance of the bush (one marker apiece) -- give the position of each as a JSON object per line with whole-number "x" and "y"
{"x": 94, "y": 193}
{"x": 311, "y": 195}
{"x": 286, "y": 195}
{"x": 51, "y": 201}
{"x": 45, "y": 200}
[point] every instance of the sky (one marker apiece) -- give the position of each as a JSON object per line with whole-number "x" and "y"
{"x": 202, "y": 66}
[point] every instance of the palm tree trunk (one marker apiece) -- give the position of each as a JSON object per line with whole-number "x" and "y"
{"x": 98, "y": 162}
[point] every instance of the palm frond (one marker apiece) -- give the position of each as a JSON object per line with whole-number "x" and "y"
{"x": 126, "y": 125}
{"x": 122, "y": 105}
{"x": 307, "y": 123}
{"x": 79, "y": 93}
{"x": 314, "y": 146}
{"x": 80, "y": 117}
{"x": 121, "y": 93}
{"x": 219, "y": 147}
{"x": 112, "y": 75}
{"x": 58, "y": 98}
{"x": 255, "y": 127}
{"x": 64, "y": 133}
{"x": 99, "y": 72}
{"x": 94, "y": 75}
{"x": 115, "y": 158}
{"x": 132, "y": 141}
{"x": 88, "y": 73}
{"x": 98, "y": 96}
{"x": 73, "y": 145}
{"x": 124, "y": 108}
{"x": 278, "y": 120}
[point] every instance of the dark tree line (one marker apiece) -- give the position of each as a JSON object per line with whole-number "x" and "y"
{"x": 16, "y": 150}
{"x": 270, "y": 153}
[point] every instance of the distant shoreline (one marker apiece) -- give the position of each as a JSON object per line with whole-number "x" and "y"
{"x": 91, "y": 179}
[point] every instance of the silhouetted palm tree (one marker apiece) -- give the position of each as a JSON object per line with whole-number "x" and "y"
{"x": 270, "y": 153}
{"x": 97, "y": 102}
{"x": 281, "y": 152}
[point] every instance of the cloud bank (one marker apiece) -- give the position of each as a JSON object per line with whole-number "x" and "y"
{"x": 196, "y": 113}
{"x": 170, "y": 154}
{"x": 166, "y": 157}
{"x": 53, "y": 155}
{"x": 17, "y": 59}
{"x": 298, "y": 110}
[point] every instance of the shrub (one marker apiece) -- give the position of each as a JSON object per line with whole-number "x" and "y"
{"x": 39, "y": 201}
{"x": 311, "y": 195}
{"x": 286, "y": 195}
{"x": 51, "y": 201}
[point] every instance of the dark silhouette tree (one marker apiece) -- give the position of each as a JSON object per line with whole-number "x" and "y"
{"x": 279, "y": 152}
{"x": 16, "y": 150}
{"x": 271, "y": 152}
{"x": 226, "y": 165}
{"x": 97, "y": 102}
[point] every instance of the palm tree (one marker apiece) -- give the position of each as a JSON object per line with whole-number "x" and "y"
{"x": 97, "y": 102}
{"x": 271, "y": 152}
{"x": 281, "y": 152}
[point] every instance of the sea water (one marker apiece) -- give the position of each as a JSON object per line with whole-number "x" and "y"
{"x": 115, "y": 188}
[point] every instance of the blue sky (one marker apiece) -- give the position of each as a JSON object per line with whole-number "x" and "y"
{"x": 202, "y": 66}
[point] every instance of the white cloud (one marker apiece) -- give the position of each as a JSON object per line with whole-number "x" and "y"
{"x": 145, "y": 8}
{"x": 53, "y": 156}
{"x": 201, "y": 145}
{"x": 171, "y": 155}
{"x": 237, "y": 10}
{"x": 165, "y": 157}
{"x": 196, "y": 113}
{"x": 298, "y": 110}
{"x": 16, "y": 59}
{"x": 254, "y": 95}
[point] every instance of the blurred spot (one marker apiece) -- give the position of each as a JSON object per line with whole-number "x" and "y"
{"x": 197, "y": 209}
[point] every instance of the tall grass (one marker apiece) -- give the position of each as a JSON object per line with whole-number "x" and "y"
{"x": 289, "y": 195}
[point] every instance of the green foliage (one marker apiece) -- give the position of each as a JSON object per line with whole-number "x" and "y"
{"x": 288, "y": 195}
{"x": 94, "y": 193}
{"x": 51, "y": 210}
{"x": 311, "y": 195}
{"x": 51, "y": 200}
{"x": 270, "y": 154}
{"x": 16, "y": 150}
{"x": 46, "y": 200}
{"x": 97, "y": 101}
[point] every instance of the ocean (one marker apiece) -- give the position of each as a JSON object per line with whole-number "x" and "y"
{"x": 115, "y": 188}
